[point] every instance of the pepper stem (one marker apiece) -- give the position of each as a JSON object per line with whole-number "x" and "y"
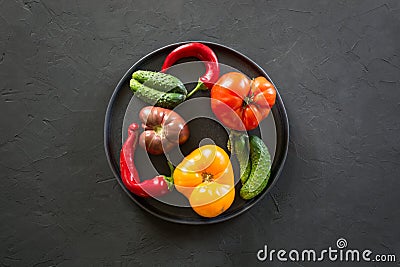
{"x": 171, "y": 167}
{"x": 200, "y": 86}
{"x": 170, "y": 179}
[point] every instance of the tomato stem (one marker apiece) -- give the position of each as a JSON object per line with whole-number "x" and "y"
{"x": 207, "y": 177}
{"x": 158, "y": 130}
{"x": 249, "y": 98}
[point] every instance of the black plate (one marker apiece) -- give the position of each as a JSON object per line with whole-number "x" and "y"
{"x": 113, "y": 135}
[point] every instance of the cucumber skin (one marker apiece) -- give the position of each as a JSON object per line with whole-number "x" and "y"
{"x": 239, "y": 143}
{"x": 160, "y": 81}
{"x": 260, "y": 169}
{"x": 244, "y": 175}
{"x": 154, "y": 97}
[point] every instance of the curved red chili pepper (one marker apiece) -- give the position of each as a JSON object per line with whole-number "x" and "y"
{"x": 158, "y": 186}
{"x": 202, "y": 52}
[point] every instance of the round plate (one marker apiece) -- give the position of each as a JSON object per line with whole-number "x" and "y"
{"x": 114, "y": 119}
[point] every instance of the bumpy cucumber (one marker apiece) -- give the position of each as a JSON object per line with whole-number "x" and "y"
{"x": 239, "y": 146}
{"x": 245, "y": 173}
{"x": 160, "y": 81}
{"x": 260, "y": 169}
{"x": 154, "y": 97}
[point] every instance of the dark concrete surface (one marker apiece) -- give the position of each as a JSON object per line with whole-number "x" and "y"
{"x": 336, "y": 63}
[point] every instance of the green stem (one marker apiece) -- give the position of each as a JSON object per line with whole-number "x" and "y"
{"x": 171, "y": 167}
{"x": 199, "y": 86}
{"x": 170, "y": 179}
{"x": 170, "y": 182}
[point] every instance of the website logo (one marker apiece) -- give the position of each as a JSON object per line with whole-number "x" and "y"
{"x": 338, "y": 253}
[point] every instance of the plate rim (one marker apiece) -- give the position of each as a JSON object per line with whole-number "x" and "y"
{"x": 217, "y": 219}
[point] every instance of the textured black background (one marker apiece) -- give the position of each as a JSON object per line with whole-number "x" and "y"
{"x": 337, "y": 66}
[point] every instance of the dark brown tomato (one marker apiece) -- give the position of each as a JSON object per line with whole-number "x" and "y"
{"x": 164, "y": 129}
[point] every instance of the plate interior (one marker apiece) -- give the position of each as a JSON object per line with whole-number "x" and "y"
{"x": 274, "y": 129}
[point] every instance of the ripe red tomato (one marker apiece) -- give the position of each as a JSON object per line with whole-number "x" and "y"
{"x": 240, "y": 103}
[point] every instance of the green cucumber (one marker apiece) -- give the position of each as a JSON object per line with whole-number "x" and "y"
{"x": 260, "y": 169}
{"x": 239, "y": 146}
{"x": 245, "y": 173}
{"x": 160, "y": 81}
{"x": 154, "y": 97}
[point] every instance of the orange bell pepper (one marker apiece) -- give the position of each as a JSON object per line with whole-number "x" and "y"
{"x": 205, "y": 177}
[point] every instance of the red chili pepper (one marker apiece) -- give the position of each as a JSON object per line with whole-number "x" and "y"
{"x": 202, "y": 52}
{"x": 158, "y": 186}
